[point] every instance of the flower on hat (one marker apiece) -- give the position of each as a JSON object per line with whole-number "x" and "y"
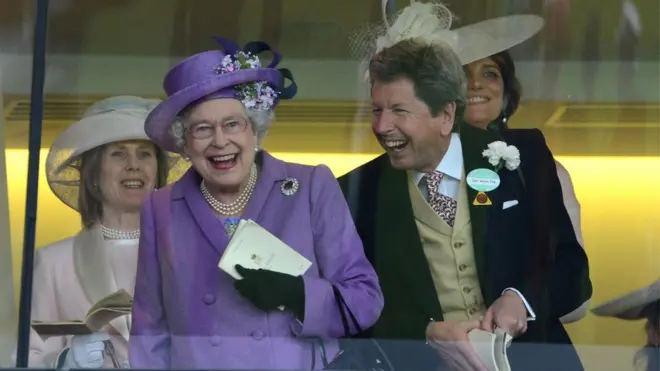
{"x": 500, "y": 155}
{"x": 254, "y": 95}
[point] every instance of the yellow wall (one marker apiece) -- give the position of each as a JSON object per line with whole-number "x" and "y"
{"x": 620, "y": 220}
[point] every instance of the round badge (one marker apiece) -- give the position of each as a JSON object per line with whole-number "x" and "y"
{"x": 483, "y": 180}
{"x": 482, "y": 198}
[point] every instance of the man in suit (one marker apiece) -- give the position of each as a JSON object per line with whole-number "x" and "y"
{"x": 451, "y": 256}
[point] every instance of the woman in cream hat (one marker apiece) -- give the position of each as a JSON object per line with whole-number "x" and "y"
{"x": 102, "y": 166}
{"x": 494, "y": 94}
{"x": 641, "y": 304}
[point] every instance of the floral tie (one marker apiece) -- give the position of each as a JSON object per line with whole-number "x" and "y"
{"x": 443, "y": 205}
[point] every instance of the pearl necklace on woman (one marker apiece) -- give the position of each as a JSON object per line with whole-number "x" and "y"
{"x": 116, "y": 234}
{"x": 236, "y": 207}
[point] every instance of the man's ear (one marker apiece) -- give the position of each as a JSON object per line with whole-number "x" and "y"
{"x": 448, "y": 117}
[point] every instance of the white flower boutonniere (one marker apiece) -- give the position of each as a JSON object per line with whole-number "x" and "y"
{"x": 500, "y": 155}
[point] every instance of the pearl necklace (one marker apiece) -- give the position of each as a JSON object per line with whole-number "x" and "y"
{"x": 236, "y": 207}
{"x": 116, "y": 234}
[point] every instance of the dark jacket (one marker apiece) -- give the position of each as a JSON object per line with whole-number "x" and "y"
{"x": 531, "y": 247}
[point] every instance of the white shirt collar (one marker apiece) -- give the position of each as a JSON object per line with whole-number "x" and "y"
{"x": 451, "y": 163}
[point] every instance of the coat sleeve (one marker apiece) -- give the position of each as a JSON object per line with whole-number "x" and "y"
{"x": 341, "y": 260}
{"x": 45, "y": 352}
{"x": 149, "y": 344}
{"x": 570, "y": 285}
{"x": 573, "y": 208}
{"x": 570, "y": 200}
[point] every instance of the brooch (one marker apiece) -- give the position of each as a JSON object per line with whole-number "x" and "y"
{"x": 290, "y": 186}
{"x": 482, "y": 200}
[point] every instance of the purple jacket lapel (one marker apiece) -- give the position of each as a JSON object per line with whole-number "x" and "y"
{"x": 212, "y": 228}
{"x": 273, "y": 172}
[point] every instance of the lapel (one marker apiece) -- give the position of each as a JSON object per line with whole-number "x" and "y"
{"x": 474, "y": 141}
{"x": 398, "y": 241}
{"x": 271, "y": 171}
{"x": 94, "y": 271}
{"x": 91, "y": 264}
{"x": 200, "y": 210}
{"x": 463, "y": 208}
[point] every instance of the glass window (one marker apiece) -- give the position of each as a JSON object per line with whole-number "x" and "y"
{"x": 589, "y": 81}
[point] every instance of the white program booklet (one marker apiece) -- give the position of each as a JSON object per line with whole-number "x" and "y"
{"x": 252, "y": 246}
{"x": 491, "y": 348}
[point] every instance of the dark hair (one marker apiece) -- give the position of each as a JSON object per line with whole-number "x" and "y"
{"x": 90, "y": 199}
{"x": 511, "y": 86}
{"x": 651, "y": 351}
{"x": 434, "y": 70}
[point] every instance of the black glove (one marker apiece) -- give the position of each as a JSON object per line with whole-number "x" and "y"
{"x": 268, "y": 290}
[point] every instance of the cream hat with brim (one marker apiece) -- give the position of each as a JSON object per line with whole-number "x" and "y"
{"x": 630, "y": 305}
{"x": 432, "y": 21}
{"x": 111, "y": 120}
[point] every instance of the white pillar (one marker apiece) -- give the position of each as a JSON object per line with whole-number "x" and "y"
{"x": 8, "y": 309}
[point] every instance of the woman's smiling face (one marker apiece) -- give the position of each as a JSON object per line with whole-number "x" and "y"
{"x": 485, "y": 95}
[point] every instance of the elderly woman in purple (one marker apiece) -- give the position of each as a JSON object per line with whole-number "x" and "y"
{"x": 187, "y": 313}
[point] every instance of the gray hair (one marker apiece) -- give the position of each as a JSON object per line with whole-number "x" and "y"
{"x": 434, "y": 69}
{"x": 259, "y": 120}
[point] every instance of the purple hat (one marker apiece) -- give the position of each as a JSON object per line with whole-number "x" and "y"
{"x": 229, "y": 73}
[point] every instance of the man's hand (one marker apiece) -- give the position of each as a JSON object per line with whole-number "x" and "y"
{"x": 508, "y": 313}
{"x": 451, "y": 341}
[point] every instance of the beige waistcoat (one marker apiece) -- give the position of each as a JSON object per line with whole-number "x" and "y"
{"x": 450, "y": 254}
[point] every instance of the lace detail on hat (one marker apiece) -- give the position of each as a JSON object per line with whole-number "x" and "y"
{"x": 426, "y": 21}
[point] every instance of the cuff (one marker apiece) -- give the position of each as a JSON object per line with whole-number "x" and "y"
{"x": 317, "y": 313}
{"x": 531, "y": 316}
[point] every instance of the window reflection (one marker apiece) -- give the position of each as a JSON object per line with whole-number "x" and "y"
{"x": 589, "y": 81}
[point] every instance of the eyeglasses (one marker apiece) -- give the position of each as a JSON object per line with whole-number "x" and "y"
{"x": 204, "y": 130}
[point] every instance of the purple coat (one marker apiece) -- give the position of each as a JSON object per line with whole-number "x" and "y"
{"x": 186, "y": 312}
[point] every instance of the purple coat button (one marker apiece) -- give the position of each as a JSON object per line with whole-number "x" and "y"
{"x": 257, "y": 334}
{"x": 215, "y": 340}
{"x": 209, "y": 299}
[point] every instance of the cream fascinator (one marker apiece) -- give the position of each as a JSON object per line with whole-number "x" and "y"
{"x": 431, "y": 22}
